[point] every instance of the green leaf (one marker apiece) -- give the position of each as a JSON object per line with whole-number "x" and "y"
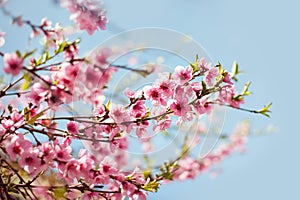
{"x": 235, "y": 71}
{"x": 33, "y": 119}
{"x": 107, "y": 106}
{"x": 219, "y": 65}
{"x": 265, "y": 110}
{"x": 152, "y": 186}
{"x": 59, "y": 192}
{"x": 27, "y": 114}
{"x": 27, "y": 54}
{"x": 147, "y": 173}
{"x": 19, "y": 54}
{"x": 245, "y": 90}
{"x": 77, "y": 41}
{"x": 27, "y": 82}
{"x": 195, "y": 65}
{"x": 61, "y": 47}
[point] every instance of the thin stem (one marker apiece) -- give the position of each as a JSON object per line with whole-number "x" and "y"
{"x": 3, "y": 91}
{"x": 59, "y": 63}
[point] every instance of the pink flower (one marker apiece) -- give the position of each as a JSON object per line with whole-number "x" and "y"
{"x": 165, "y": 85}
{"x": 70, "y": 170}
{"x": 63, "y": 153}
{"x": 99, "y": 110}
{"x": 17, "y": 146}
{"x": 162, "y": 124}
{"x": 197, "y": 87}
{"x": 227, "y": 78}
{"x": 2, "y": 40}
{"x": 90, "y": 196}
{"x": 128, "y": 189}
{"x": 101, "y": 56}
{"x": 226, "y": 95}
{"x": 180, "y": 107}
{"x": 142, "y": 129}
{"x": 7, "y": 123}
{"x": 120, "y": 143}
{"x": 119, "y": 114}
{"x": 46, "y": 151}
{"x": 183, "y": 74}
{"x": 13, "y": 64}
{"x": 107, "y": 169}
{"x": 42, "y": 193}
{"x": 101, "y": 179}
{"x": 17, "y": 118}
{"x": 38, "y": 93}
{"x": 30, "y": 162}
{"x": 155, "y": 95}
{"x": 211, "y": 75}
{"x": 71, "y": 70}
{"x": 203, "y": 107}
{"x": 88, "y": 15}
{"x": 129, "y": 93}
{"x": 92, "y": 77}
{"x": 138, "y": 110}
{"x": 203, "y": 64}
{"x": 72, "y": 127}
{"x": 139, "y": 194}
{"x": 188, "y": 169}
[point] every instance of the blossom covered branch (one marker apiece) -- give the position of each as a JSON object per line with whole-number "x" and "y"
{"x": 40, "y": 158}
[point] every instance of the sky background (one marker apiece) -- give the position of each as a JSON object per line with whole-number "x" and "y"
{"x": 263, "y": 36}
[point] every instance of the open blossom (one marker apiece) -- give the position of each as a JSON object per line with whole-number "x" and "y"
{"x": 62, "y": 152}
{"x": 138, "y": 109}
{"x": 155, "y": 95}
{"x": 210, "y": 77}
{"x": 203, "y": 107}
{"x": 107, "y": 168}
{"x": 226, "y": 95}
{"x": 183, "y": 74}
{"x": 30, "y": 162}
{"x": 72, "y": 127}
{"x": 162, "y": 124}
{"x": 17, "y": 146}
{"x": 99, "y": 110}
{"x": 180, "y": 107}
{"x": 165, "y": 84}
{"x": 120, "y": 143}
{"x": 119, "y": 114}
{"x": 38, "y": 93}
{"x": 203, "y": 64}
{"x": 13, "y": 64}
{"x": 196, "y": 86}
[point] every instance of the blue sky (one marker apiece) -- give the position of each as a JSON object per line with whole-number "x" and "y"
{"x": 263, "y": 36}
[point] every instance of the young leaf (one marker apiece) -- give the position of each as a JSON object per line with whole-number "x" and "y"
{"x": 265, "y": 110}
{"x": 245, "y": 90}
{"x": 34, "y": 118}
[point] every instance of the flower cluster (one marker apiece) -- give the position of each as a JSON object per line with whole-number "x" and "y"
{"x": 41, "y": 156}
{"x": 89, "y": 15}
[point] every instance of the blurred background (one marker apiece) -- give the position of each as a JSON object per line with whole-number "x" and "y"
{"x": 263, "y": 36}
